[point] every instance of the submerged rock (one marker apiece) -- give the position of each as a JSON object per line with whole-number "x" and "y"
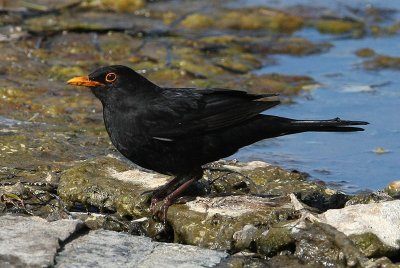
{"x": 337, "y": 26}
{"x": 382, "y": 62}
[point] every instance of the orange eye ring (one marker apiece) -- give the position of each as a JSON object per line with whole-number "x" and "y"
{"x": 110, "y": 77}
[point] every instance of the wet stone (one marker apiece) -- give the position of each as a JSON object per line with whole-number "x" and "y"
{"x": 226, "y": 222}
{"x": 382, "y": 62}
{"x": 332, "y": 26}
{"x": 393, "y": 189}
{"x": 110, "y": 184}
{"x": 246, "y": 200}
{"x": 365, "y": 52}
{"x": 93, "y": 21}
{"x": 369, "y": 198}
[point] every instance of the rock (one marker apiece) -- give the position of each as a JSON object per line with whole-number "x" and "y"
{"x": 32, "y": 241}
{"x": 110, "y": 184}
{"x": 243, "y": 238}
{"x": 226, "y": 222}
{"x": 365, "y": 52}
{"x": 380, "y": 219}
{"x": 278, "y": 238}
{"x": 337, "y": 26}
{"x": 380, "y": 62}
{"x": 369, "y": 198}
{"x": 238, "y": 202}
{"x": 197, "y": 21}
{"x": 321, "y": 244}
{"x": 102, "y": 248}
{"x": 372, "y": 246}
{"x": 393, "y": 189}
{"x": 262, "y": 179}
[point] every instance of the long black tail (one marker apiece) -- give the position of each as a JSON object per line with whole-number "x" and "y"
{"x": 274, "y": 126}
{"x": 224, "y": 143}
{"x": 331, "y": 125}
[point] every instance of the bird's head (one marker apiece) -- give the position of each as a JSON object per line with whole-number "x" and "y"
{"x": 115, "y": 81}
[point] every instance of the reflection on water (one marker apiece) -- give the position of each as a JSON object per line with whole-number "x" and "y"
{"x": 349, "y": 92}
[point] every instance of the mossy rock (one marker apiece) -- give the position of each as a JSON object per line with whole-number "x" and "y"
{"x": 365, "y": 52}
{"x": 382, "y": 62}
{"x": 220, "y": 222}
{"x": 197, "y": 21}
{"x": 108, "y": 183}
{"x": 336, "y": 26}
{"x": 372, "y": 246}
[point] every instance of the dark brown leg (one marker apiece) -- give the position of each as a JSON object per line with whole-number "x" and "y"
{"x": 167, "y": 189}
{"x": 162, "y": 212}
{"x": 170, "y": 192}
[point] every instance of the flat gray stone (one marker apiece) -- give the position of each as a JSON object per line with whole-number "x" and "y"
{"x": 32, "y": 241}
{"x": 102, "y": 248}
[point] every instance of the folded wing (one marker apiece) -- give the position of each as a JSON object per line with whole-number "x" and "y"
{"x": 188, "y": 112}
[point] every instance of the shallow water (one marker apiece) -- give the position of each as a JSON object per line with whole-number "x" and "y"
{"x": 346, "y": 160}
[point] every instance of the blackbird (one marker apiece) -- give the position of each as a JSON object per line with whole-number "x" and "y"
{"x": 176, "y": 131}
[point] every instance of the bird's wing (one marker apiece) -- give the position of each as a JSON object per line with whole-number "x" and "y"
{"x": 187, "y": 112}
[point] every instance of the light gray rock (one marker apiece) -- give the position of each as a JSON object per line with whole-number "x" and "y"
{"x": 32, "y": 241}
{"x": 102, "y": 248}
{"x": 381, "y": 219}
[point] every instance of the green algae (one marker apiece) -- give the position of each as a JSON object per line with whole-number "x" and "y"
{"x": 215, "y": 224}
{"x": 393, "y": 189}
{"x": 365, "y": 52}
{"x": 276, "y": 239}
{"x": 285, "y": 84}
{"x": 117, "y": 5}
{"x": 63, "y": 73}
{"x": 372, "y": 246}
{"x": 197, "y": 21}
{"x": 369, "y": 198}
{"x": 382, "y": 62}
{"x": 91, "y": 184}
{"x": 335, "y": 26}
{"x": 260, "y": 19}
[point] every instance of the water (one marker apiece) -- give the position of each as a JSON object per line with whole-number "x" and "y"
{"x": 349, "y": 92}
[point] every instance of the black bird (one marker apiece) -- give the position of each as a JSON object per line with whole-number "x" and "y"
{"x": 176, "y": 131}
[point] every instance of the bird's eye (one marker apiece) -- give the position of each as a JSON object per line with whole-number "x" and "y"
{"x": 110, "y": 77}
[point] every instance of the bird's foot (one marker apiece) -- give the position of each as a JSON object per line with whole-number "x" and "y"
{"x": 172, "y": 194}
{"x": 153, "y": 204}
{"x": 160, "y": 210}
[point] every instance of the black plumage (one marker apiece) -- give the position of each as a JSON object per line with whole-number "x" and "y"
{"x": 176, "y": 131}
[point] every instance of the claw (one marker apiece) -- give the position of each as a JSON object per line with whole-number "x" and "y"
{"x": 168, "y": 194}
{"x": 160, "y": 211}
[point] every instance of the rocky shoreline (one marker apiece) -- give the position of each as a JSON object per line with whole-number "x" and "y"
{"x": 239, "y": 215}
{"x": 67, "y": 198}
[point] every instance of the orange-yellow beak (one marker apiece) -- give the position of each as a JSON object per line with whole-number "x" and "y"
{"x": 83, "y": 81}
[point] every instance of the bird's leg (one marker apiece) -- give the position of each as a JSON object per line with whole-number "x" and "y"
{"x": 170, "y": 192}
{"x": 162, "y": 212}
{"x": 165, "y": 190}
